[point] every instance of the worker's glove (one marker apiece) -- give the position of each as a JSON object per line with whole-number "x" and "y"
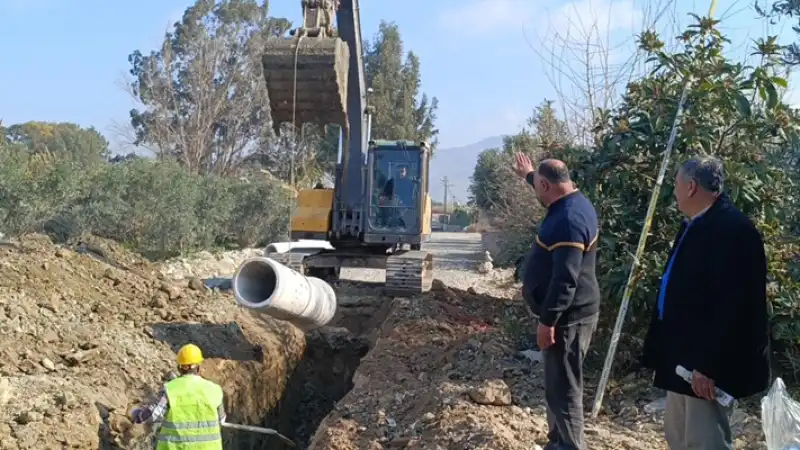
{"x": 136, "y": 415}
{"x": 170, "y": 376}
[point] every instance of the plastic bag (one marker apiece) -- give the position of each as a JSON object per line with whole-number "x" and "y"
{"x": 780, "y": 418}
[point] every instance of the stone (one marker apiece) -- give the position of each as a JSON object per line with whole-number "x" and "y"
{"x": 48, "y": 364}
{"x": 196, "y": 284}
{"x": 5, "y": 391}
{"x": 27, "y": 417}
{"x": 159, "y": 301}
{"x": 491, "y": 392}
{"x": 173, "y": 292}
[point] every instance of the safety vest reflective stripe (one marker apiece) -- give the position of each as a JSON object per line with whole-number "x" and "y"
{"x": 209, "y": 438}
{"x": 190, "y": 432}
{"x": 187, "y": 425}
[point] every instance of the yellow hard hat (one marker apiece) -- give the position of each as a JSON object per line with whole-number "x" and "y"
{"x": 190, "y": 355}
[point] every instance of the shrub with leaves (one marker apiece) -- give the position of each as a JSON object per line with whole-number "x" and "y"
{"x": 157, "y": 208}
{"x": 733, "y": 111}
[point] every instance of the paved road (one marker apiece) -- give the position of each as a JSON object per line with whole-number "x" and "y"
{"x": 455, "y": 251}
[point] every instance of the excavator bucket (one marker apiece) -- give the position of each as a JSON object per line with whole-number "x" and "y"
{"x": 307, "y": 80}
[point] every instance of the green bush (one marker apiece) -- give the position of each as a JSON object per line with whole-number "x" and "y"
{"x": 461, "y": 216}
{"x": 734, "y": 112}
{"x": 154, "y": 207}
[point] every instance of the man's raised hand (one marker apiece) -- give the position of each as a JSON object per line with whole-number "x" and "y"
{"x": 522, "y": 165}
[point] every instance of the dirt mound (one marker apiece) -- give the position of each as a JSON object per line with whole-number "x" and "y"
{"x": 208, "y": 264}
{"x": 90, "y": 330}
{"x": 447, "y": 371}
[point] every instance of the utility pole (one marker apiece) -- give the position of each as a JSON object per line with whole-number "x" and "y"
{"x": 447, "y": 186}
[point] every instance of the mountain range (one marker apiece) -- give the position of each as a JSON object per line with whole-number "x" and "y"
{"x": 457, "y": 164}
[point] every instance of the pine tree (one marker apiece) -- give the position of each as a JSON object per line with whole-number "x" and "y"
{"x": 401, "y": 111}
{"x": 550, "y": 131}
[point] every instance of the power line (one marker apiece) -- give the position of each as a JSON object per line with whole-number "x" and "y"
{"x": 447, "y": 186}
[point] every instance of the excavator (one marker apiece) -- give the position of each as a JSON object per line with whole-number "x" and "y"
{"x": 378, "y": 213}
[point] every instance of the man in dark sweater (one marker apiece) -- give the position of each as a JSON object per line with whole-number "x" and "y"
{"x": 397, "y": 199}
{"x": 560, "y": 286}
{"x": 711, "y": 312}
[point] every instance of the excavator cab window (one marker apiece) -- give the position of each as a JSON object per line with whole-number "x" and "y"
{"x": 396, "y": 191}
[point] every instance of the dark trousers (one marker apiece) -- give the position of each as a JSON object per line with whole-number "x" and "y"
{"x": 563, "y": 383}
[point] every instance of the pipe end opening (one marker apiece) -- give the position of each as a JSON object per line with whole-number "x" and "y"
{"x": 255, "y": 282}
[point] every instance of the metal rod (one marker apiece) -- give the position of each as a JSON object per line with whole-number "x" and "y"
{"x": 261, "y": 430}
{"x": 633, "y": 274}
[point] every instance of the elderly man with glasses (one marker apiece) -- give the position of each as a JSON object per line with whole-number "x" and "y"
{"x": 711, "y": 312}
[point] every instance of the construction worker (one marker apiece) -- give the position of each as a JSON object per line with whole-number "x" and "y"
{"x": 189, "y": 407}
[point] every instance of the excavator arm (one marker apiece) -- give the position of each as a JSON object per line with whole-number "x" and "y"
{"x": 317, "y": 75}
{"x": 306, "y": 73}
{"x": 313, "y": 75}
{"x": 318, "y": 17}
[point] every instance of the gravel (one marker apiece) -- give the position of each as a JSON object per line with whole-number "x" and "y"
{"x": 455, "y": 258}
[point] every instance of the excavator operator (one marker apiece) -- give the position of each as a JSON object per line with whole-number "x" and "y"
{"x": 397, "y": 192}
{"x": 189, "y": 406}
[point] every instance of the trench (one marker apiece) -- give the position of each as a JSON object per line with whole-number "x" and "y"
{"x": 291, "y": 385}
{"x": 322, "y": 377}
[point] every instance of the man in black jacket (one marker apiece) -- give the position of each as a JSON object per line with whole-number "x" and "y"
{"x": 711, "y": 314}
{"x": 560, "y": 286}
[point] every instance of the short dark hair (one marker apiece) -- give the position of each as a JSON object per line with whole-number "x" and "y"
{"x": 553, "y": 171}
{"x": 706, "y": 171}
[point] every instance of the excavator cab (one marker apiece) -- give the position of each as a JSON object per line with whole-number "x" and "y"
{"x": 397, "y": 183}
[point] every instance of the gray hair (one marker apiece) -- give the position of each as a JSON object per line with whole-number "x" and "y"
{"x": 706, "y": 171}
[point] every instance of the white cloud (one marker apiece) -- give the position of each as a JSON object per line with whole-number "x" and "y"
{"x": 490, "y": 17}
{"x": 486, "y": 16}
{"x": 595, "y": 17}
{"x": 507, "y": 119}
{"x": 567, "y": 40}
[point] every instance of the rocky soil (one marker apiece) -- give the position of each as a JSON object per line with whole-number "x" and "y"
{"x": 450, "y": 370}
{"x": 89, "y": 330}
{"x": 208, "y": 264}
{"x": 453, "y": 370}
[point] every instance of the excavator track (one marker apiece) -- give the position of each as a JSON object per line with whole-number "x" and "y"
{"x": 409, "y": 273}
{"x": 307, "y": 80}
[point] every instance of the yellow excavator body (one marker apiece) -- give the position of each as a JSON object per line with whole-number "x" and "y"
{"x": 426, "y": 215}
{"x": 311, "y": 218}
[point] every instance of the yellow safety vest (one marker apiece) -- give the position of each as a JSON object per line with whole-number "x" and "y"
{"x": 192, "y": 421}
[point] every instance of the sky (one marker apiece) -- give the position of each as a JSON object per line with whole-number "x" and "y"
{"x": 488, "y": 62}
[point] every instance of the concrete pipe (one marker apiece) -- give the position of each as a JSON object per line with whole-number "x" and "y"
{"x": 268, "y": 287}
